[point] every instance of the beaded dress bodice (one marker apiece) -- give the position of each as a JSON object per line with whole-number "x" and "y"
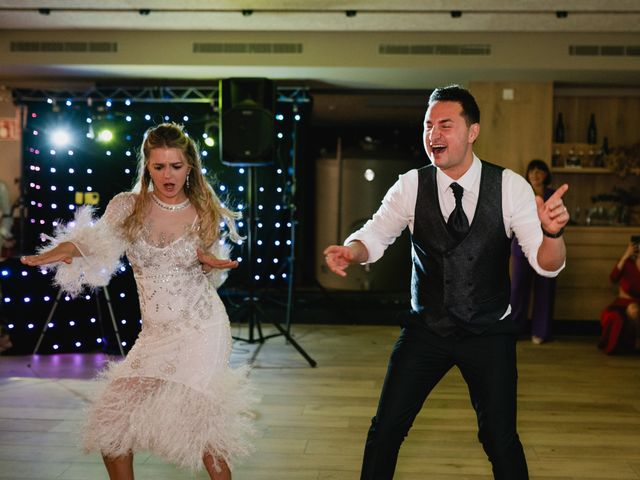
{"x": 168, "y": 274}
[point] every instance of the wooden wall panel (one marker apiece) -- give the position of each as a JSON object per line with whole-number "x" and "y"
{"x": 513, "y": 132}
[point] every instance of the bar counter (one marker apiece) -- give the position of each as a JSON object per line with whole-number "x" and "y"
{"x": 583, "y": 287}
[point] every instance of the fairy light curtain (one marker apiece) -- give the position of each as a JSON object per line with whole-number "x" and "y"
{"x": 82, "y": 150}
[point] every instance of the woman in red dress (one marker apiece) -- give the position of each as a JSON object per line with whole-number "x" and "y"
{"x": 620, "y": 321}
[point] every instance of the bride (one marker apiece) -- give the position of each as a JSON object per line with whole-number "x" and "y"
{"x": 174, "y": 394}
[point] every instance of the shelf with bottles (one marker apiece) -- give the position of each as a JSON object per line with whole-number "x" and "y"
{"x": 591, "y": 170}
{"x": 578, "y": 158}
{"x": 582, "y": 170}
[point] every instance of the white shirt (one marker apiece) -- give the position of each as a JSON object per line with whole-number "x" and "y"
{"x": 519, "y": 212}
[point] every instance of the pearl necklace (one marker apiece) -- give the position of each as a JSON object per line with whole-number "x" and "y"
{"x": 169, "y": 206}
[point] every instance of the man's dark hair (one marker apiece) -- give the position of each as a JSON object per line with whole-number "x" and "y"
{"x": 455, "y": 93}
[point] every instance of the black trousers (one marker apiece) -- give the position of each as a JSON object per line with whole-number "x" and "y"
{"x": 419, "y": 360}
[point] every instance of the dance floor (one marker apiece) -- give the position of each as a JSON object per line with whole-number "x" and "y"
{"x": 579, "y": 413}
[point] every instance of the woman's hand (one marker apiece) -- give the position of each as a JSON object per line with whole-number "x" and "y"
{"x": 64, "y": 252}
{"x": 209, "y": 262}
{"x": 631, "y": 251}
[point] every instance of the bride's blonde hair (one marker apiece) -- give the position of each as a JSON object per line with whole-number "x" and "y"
{"x": 211, "y": 212}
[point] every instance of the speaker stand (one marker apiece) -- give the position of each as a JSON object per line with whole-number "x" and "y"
{"x": 105, "y": 292}
{"x": 250, "y": 308}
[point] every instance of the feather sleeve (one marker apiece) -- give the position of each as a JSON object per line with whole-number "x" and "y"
{"x": 100, "y": 242}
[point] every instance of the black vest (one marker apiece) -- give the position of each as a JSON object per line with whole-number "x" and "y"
{"x": 460, "y": 285}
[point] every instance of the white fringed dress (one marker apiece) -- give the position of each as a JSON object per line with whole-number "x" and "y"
{"x": 174, "y": 394}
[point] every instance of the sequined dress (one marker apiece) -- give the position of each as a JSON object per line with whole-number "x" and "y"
{"x": 174, "y": 394}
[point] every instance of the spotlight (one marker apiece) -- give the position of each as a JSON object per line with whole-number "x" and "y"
{"x": 369, "y": 175}
{"x": 60, "y": 138}
{"x": 105, "y": 135}
{"x": 456, "y": 13}
{"x": 144, "y": 11}
{"x": 562, "y": 14}
{"x": 247, "y": 13}
{"x": 210, "y": 133}
{"x": 351, "y": 13}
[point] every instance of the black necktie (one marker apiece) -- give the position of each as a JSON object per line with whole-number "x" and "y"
{"x": 458, "y": 223}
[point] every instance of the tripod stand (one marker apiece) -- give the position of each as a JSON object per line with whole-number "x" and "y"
{"x": 107, "y": 298}
{"x": 250, "y": 309}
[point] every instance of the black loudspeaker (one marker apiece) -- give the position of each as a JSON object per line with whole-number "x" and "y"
{"x": 247, "y": 121}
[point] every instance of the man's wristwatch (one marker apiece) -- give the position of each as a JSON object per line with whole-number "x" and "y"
{"x": 553, "y": 235}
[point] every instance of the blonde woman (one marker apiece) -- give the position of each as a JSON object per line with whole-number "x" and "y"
{"x": 174, "y": 394}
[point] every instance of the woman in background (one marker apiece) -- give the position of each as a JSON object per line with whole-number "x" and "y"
{"x": 523, "y": 276}
{"x": 620, "y": 321}
{"x": 174, "y": 394}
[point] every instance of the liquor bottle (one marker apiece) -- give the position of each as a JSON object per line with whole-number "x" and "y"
{"x": 592, "y": 133}
{"x": 559, "y": 131}
{"x": 599, "y": 158}
{"x": 602, "y": 153}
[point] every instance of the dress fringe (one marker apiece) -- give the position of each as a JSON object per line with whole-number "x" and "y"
{"x": 172, "y": 420}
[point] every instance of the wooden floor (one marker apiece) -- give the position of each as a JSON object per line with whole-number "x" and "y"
{"x": 579, "y": 413}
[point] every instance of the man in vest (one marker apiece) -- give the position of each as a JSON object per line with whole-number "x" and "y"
{"x": 462, "y": 213}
